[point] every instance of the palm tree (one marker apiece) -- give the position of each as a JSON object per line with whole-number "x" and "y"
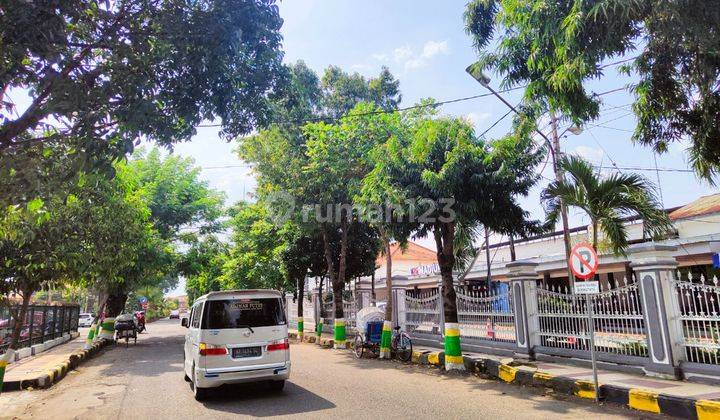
{"x": 607, "y": 201}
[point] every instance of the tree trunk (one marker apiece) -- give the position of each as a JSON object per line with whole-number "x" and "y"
{"x": 301, "y": 296}
{"x": 444, "y": 238}
{"x": 339, "y": 282}
{"x": 116, "y": 304}
{"x": 20, "y": 320}
{"x": 595, "y": 234}
{"x": 512, "y": 248}
{"x": 372, "y": 289}
{"x": 388, "y": 279}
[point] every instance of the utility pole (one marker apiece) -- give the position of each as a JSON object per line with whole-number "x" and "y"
{"x": 557, "y": 155}
{"x": 475, "y": 71}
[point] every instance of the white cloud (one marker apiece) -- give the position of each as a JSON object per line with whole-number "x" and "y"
{"x": 429, "y": 51}
{"x": 589, "y": 153}
{"x": 433, "y": 48}
{"x": 380, "y": 57}
{"x": 402, "y": 53}
{"x": 415, "y": 63}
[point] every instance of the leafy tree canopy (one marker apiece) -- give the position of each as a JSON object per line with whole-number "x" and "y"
{"x": 100, "y": 75}
{"x": 176, "y": 196}
{"x": 608, "y": 201}
{"x": 556, "y": 47}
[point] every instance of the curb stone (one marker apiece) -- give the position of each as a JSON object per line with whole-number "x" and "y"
{"x": 55, "y": 373}
{"x": 637, "y": 399}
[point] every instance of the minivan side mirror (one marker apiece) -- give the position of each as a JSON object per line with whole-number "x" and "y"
{"x": 185, "y": 322}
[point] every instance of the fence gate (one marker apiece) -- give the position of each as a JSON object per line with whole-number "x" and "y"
{"x": 422, "y": 314}
{"x": 486, "y": 315}
{"x": 700, "y": 318}
{"x": 617, "y": 318}
{"x": 349, "y": 310}
{"x": 308, "y": 313}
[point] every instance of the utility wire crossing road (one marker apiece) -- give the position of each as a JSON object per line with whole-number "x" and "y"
{"x": 146, "y": 381}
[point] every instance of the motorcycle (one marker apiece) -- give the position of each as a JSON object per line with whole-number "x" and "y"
{"x": 140, "y": 321}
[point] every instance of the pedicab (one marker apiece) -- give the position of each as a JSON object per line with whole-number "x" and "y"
{"x": 369, "y": 325}
{"x": 126, "y": 327}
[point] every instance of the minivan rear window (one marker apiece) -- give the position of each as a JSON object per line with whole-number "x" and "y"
{"x": 240, "y": 313}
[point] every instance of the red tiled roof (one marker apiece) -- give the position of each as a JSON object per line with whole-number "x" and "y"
{"x": 703, "y": 205}
{"x": 414, "y": 252}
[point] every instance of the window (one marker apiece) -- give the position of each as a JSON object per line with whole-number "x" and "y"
{"x": 195, "y": 317}
{"x": 239, "y": 313}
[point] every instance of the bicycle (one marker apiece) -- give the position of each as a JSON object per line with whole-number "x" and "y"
{"x": 400, "y": 344}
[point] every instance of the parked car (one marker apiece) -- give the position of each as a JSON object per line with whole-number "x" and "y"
{"x": 175, "y": 314}
{"x": 236, "y": 336}
{"x": 85, "y": 320}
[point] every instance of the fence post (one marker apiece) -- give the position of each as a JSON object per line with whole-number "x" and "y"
{"x": 316, "y": 302}
{"x": 399, "y": 306}
{"x": 441, "y": 309}
{"x": 523, "y": 292}
{"x": 31, "y": 327}
{"x": 654, "y": 265}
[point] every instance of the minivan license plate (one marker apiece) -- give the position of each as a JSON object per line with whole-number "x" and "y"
{"x": 246, "y": 352}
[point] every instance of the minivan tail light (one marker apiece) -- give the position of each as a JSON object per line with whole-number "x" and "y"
{"x": 279, "y": 345}
{"x": 212, "y": 350}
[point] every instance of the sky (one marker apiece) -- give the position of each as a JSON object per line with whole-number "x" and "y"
{"x": 425, "y": 46}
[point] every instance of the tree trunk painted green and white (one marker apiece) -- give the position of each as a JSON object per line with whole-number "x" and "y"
{"x": 386, "y": 336}
{"x": 444, "y": 234}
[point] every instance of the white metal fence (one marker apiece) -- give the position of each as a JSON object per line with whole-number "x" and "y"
{"x": 700, "y": 318}
{"x": 617, "y": 318}
{"x": 422, "y": 313}
{"x": 349, "y": 311}
{"x": 486, "y": 315}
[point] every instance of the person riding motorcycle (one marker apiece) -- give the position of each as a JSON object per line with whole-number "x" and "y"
{"x": 140, "y": 320}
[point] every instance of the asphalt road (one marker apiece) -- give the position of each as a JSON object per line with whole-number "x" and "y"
{"x": 146, "y": 381}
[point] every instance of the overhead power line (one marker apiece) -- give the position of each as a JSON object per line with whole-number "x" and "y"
{"x": 430, "y": 105}
{"x": 377, "y": 112}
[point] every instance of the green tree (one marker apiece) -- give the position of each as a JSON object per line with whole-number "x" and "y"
{"x": 453, "y": 179}
{"x": 291, "y": 161}
{"x": 607, "y": 202}
{"x": 253, "y": 260}
{"x": 35, "y": 241}
{"x": 176, "y": 195}
{"x": 202, "y": 266}
{"x": 102, "y": 74}
{"x": 556, "y": 48}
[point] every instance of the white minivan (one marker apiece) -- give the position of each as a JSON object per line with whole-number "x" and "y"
{"x": 236, "y": 336}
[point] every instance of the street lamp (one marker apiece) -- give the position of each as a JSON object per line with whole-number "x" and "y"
{"x": 475, "y": 71}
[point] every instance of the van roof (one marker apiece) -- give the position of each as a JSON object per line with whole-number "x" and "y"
{"x": 226, "y": 293}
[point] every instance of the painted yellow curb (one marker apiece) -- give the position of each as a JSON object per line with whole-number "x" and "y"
{"x": 644, "y": 400}
{"x": 416, "y": 356}
{"x": 585, "y": 389}
{"x": 707, "y": 410}
{"x": 507, "y": 373}
{"x": 542, "y": 376}
{"x": 434, "y": 358}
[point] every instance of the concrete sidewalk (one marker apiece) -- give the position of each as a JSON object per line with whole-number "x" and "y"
{"x": 676, "y": 398}
{"x": 46, "y": 368}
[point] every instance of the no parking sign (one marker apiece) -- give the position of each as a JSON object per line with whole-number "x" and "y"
{"x": 583, "y": 261}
